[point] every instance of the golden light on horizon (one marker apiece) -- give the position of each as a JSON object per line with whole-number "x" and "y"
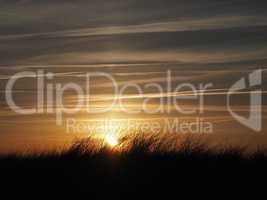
{"x": 111, "y": 140}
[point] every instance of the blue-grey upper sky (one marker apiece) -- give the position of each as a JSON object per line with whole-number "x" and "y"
{"x": 115, "y": 31}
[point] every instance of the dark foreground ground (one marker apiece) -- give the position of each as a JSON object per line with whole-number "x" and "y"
{"x": 138, "y": 173}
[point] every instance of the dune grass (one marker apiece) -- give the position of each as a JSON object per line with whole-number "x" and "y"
{"x": 146, "y": 165}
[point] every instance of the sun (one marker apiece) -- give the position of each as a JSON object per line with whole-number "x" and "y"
{"x": 111, "y": 140}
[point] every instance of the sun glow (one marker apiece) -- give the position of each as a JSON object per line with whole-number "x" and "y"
{"x": 111, "y": 130}
{"x": 111, "y": 140}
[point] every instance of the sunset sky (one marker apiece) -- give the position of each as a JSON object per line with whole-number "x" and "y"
{"x": 137, "y": 42}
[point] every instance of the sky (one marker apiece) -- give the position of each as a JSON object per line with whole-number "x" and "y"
{"x": 210, "y": 41}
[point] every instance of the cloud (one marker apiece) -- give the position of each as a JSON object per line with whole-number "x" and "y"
{"x": 169, "y": 26}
